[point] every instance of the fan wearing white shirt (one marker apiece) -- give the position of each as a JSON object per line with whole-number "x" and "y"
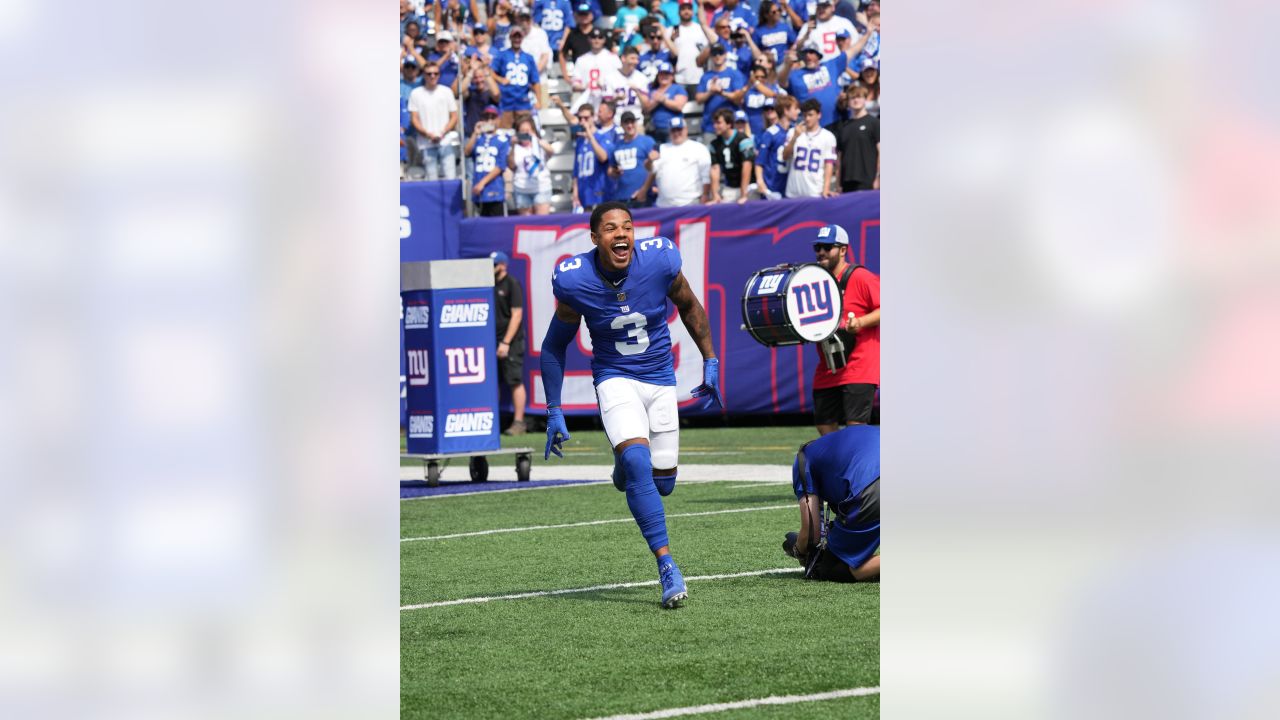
{"x": 829, "y": 25}
{"x": 628, "y": 87}
{"x": 681, "y": 169}
{"x": 811, "y": 155}
{"x": 590, "y": 71}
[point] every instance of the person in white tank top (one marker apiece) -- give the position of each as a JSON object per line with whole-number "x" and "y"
{"x": 530, "y": 177}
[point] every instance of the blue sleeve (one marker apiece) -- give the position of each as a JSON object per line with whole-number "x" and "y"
{"x": 737, "y": 79}
{"x": 504, "y": 150}
{"x": 702, "y": 84}
{"x": 559, "y": 335}
{"x": 496, "y": 64}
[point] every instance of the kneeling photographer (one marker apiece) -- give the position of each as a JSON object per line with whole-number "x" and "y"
{"x": 842, "y": 471}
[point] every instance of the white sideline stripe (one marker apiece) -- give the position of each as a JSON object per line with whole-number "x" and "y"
{"x": 586, "y": 523}
{"x": 593, "y": 588}
{"x": 501, "y": 471}
{"x": 720, "y": 707}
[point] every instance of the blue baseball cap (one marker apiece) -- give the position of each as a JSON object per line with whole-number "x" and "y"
{"x": 582, "y": 8}
{"x": 664, "y": 66}
{"x": 842, "y": 34}
{"x": 833, "y": 234}
{"x": 677, "y": 122}
{"x": 500, "y": 258}
{"x": 739, "y": 116}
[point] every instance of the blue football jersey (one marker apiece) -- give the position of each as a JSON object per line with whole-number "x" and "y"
{"x": 592, "y": 174}
{"x": 628, "y": 323}
{"x": 491, "y": 152}
{"x": 839, "y": 465}
{"x": 521, "y": 73}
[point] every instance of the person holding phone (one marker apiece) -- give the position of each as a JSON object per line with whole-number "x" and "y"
{"x": 591, "y": 149}
{"x": 489, "y": 149}
{"x": 530, "y": 177}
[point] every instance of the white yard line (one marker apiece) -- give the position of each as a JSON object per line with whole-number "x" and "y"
{"x": 720, "y": 707}
{"x": 594, "y": 588}
{"x": 758, "y": 484}
{"x": 587, "y": 523}
{"x": 504, "y": 472}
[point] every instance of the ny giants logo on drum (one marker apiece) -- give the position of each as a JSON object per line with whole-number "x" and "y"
{"x": 814, "y": 302}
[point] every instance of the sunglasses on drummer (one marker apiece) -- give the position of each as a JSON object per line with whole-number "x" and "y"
{"x": 823, "y": 247}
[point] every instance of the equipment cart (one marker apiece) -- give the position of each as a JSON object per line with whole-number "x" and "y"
{"x": 479, "y": 463}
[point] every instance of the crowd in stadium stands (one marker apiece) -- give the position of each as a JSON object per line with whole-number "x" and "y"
{"x": 788, "y": 91}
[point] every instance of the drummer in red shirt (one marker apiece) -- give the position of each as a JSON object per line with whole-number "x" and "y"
{"x": 845, "y": 396}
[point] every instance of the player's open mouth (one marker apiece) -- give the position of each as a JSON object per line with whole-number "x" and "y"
{"x": 621, "y": 250}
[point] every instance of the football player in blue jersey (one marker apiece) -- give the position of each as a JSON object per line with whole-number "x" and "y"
{"x": 621, "y": 288}
{"x": 841, "y": 469}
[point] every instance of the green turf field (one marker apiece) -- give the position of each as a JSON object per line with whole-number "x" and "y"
{"x": 701, "y": 446}
{"x": 615, "y": 651}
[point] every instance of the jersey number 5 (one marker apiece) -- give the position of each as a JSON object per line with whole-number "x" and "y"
{"x": 636, "y": 322}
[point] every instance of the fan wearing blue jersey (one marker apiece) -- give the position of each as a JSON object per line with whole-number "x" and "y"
{"x": 842, "y": 470}
{"x": 553, "y": 17}
{"x": 489, "y": 149}
{"x": 517, "y": 72}
{"x": 621, "y": 288}
{"x": 590, "y": 156}
{"x": 774, "y": 34}
{"x": 721, "y": 86}
{"x": 626, "y": 164}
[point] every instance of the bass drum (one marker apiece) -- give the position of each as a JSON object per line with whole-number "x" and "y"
{"x": 791, "y": 304}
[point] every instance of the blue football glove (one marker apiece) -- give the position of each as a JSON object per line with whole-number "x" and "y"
{"x": 710, "y": 387}
{"x": 557, "y": 433}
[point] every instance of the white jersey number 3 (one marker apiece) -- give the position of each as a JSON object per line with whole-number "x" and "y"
{"x": 636, "y": 322}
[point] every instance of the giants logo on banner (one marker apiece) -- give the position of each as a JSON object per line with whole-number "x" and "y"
{"x": 464, "y": 313}
{"x": 545, "y": 248}
{"x": 466, "y": 365}
{"x": 468, "y": 424}
{"x": 418, "y": 374}
{"x": 417, "y": 316}
{"x": 421, "y": 427}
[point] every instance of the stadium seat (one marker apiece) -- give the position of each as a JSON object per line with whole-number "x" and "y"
{"x": 605, "y": 22}
{"x": 558, "y": 135}
{"x": 556, "y": 86}
{"x": 693, "y": 107}
{"x": 551, "y": 117}
{"x": 561, "y": 203}
{"x": 561, "y": 183}
{"x": 560, "y": 163}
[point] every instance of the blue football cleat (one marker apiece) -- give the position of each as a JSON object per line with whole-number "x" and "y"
{"x": 673, "y": 588}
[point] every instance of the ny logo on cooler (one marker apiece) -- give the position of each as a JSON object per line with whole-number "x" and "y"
{"x": 466, "y": 365}
{"x": 814, "y": 302}
{"x": 418, "y": 374}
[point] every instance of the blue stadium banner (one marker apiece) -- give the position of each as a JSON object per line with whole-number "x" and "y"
{"x": 429, "y": 215}
{"x": 721, "y": 247}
